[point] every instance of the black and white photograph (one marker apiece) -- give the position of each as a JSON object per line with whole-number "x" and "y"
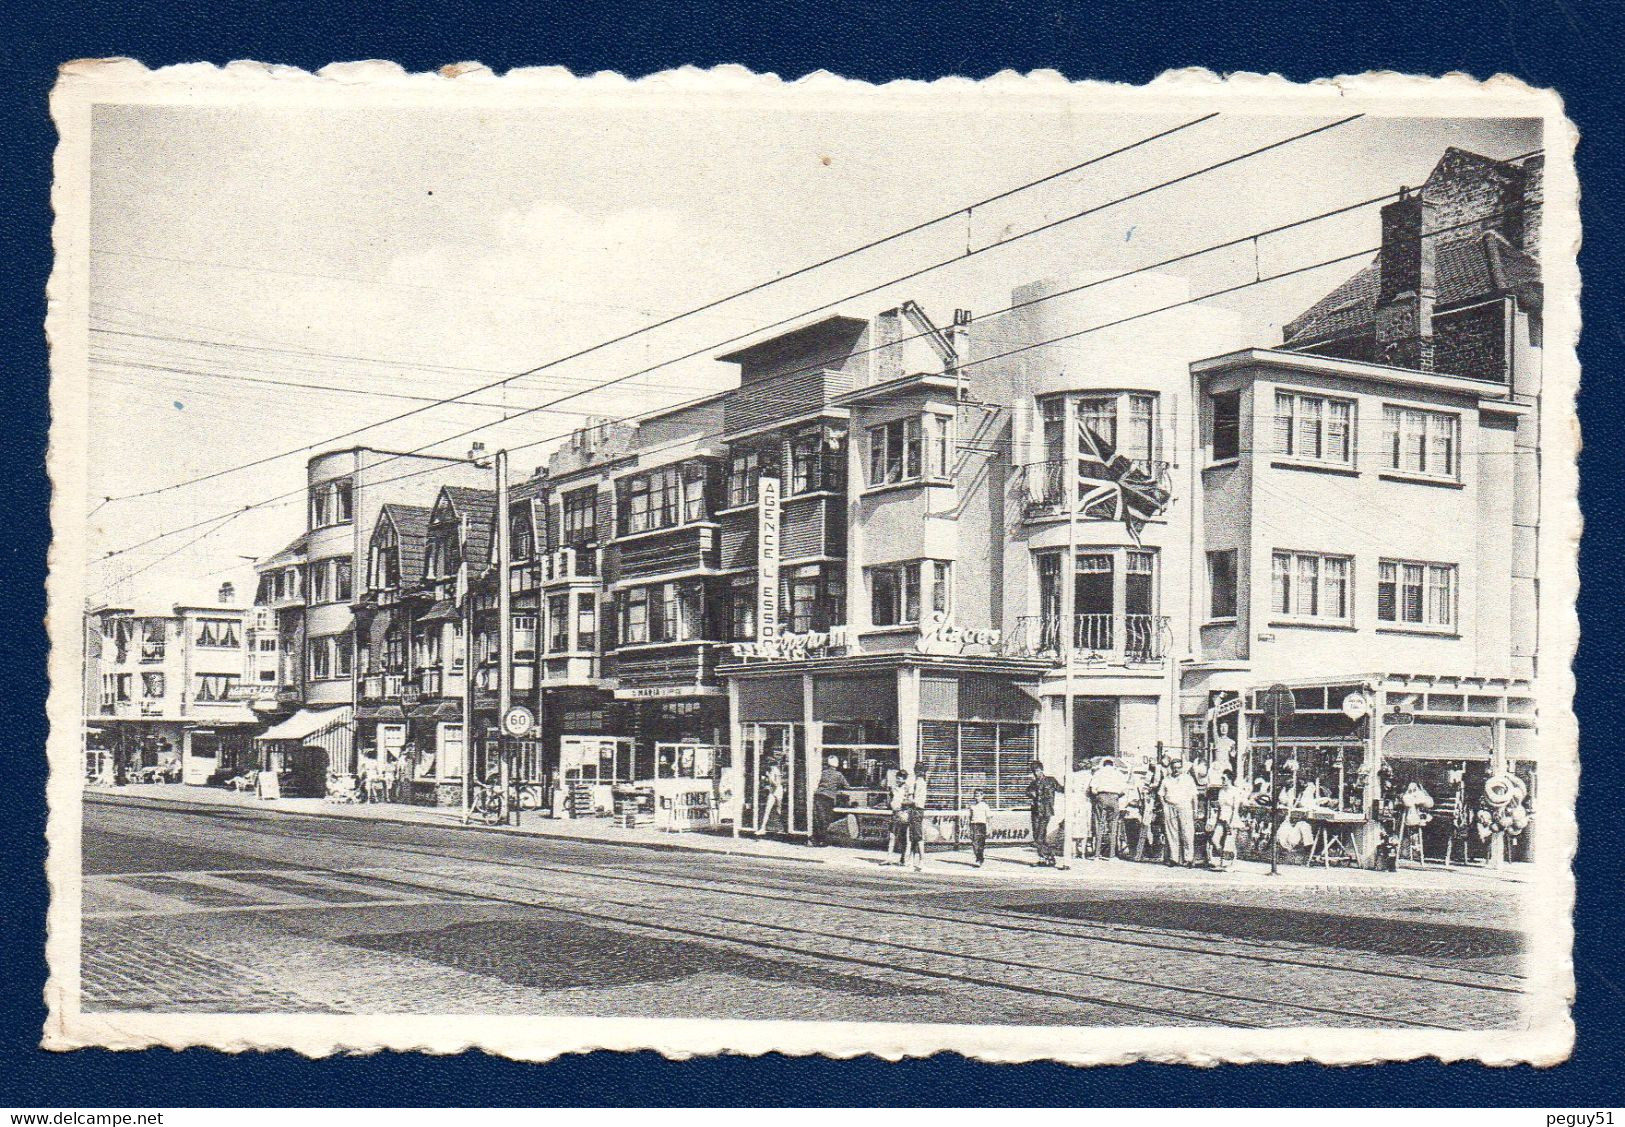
{"x": 712, "y": 564}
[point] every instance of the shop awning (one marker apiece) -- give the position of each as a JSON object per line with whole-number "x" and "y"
{"x": 1472, "y": 742}
{"x": 388, "y": 713}
{"x": 444, "y": 610}
{"x": 443, "y": 711}
{"x": 307, "y": 722}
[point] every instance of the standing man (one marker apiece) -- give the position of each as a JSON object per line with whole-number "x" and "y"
{"x": 1106, "y": 788}
{"x": 1041, "y": 792}
{"x": 1178, "y": 795}
{"x": 830, "y": 783}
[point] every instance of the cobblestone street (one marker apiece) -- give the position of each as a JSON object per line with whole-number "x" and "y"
{"x": 216, "y": 909}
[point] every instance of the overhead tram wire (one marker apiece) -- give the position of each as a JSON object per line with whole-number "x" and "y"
{"x": 1253, "y": 237}
{"x": 300, "y": 492}
{"x": 714, "y": 303}
{"x": 291, "y": 495}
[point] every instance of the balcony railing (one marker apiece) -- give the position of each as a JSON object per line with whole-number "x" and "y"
{"x": 1096, "y": 639}
{"x": 1044, "y": 484}
{"x": 430, "y": 682}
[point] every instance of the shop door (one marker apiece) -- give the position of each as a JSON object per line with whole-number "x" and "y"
{"x": 1093, "y": 602}
{"x": 777, "y": 798}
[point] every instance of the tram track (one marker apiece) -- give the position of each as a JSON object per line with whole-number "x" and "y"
{"x": 724, "y": 887}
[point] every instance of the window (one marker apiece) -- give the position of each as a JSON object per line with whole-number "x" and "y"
{"x": 122, "y": 685}
{"x": 694, "y": 506}
{"x": 384, "y": 567}
{"x": 818, "y": 460}
{"x": 1413, "y": 593}
{"x": 214, "y": 687}
{"x": 218, "y": 634}
{"x": 330, "y": 504}
{"x": 1053, "y": 411}
{"x": 586, "y": 624}
{"x": 524, "y": 633}
{"x": 635, "y": 616}
{"x": 1226, "y": 408}
{"x": 580, "y": 512}
{"x": 1309, "y": 585}
{"x": 802, "y": 604}
{"x": 744, "y": 468}
{"x": 152, "y": 686}
{"x": 394, "y": 650}
{"x": 940, "y": 429}
{"x": 1422, "y": 442}
{"x": 894, "y": 452}
{"x": 329, "y": 657}
{"x": 1221, "y": 584}
{"x": 651, "y": 500}
{"x": 267, "y": 645}
{"x": 1140, "y": 438}
{"x": 330, "y": 581}
{"x": 1099, "y": 418}
{"x": 558, "y": 623}
{"x": 1314, "y": 428}
{"x": 521, "y": 536}
{"x": 895, "y": 591}
{"x": 742, "y": 609}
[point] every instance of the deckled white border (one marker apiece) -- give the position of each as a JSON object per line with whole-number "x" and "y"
{"x": 1548, "y": 1036}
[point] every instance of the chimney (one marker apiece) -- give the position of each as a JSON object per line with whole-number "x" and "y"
{"x": 888, "y": 356}
{"x": 1405, "y": 290}
{"x": 959, "y": 341}
{"x": 228, "y": 592}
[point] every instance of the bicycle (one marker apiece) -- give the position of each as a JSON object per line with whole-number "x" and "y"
{"x": 485, "y": 805}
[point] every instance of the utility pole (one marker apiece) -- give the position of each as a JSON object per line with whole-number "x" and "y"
{"x": 504, "y": 558}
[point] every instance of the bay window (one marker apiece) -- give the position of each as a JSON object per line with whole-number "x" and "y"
{"x": 587, "y": 623}
{"x": 813, "y": 599}
{"x": 663, "y": 612}
{"x": 662, "y": 498}
{"x": 1416, "y": 593}
{"x": 1309, "y": 585}
{"x": 741, "y": 609}
{"x": 818, "y": 460}
{"x": 1314, "y": 428}
{"x": 898, "y": 591}
{"x": 1225, "y": 414}
{"x": 1221, "y": 580}
{"x": 558, "y": 623}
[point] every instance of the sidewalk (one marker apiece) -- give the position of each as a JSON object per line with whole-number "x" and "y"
{"x": 1003, "y": 864}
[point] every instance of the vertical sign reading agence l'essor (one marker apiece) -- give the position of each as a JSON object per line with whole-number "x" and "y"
{"x": 767, "y": 559}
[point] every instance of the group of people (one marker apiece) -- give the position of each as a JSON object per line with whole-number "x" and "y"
{"x": 1104, "y": 804}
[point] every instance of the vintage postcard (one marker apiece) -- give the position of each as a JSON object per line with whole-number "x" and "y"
{"x": 1027, "y": 568}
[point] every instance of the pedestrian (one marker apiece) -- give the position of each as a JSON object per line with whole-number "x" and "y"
{"x": 1041, "y": 791}
{"x": 772, "y": 790}
{"x": 1178, "y": 797}
{"x": 1079, "y": 812}
{"x": 830, "y": 784}
{"x": 977, "y": 820}
{"x": 902, "y": 813}
{"x": 1106, "y": 788}
{"x": 1226, "y": 818}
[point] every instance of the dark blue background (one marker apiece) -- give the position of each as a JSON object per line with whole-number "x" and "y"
{"x": 1572, "y": 45}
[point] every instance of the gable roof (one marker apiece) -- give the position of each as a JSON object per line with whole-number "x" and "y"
{"x": 477, "y": 509}
{"x": 1469, "y": 269}
{"x": 411, "y": 523}
{"x": 292, "y": 553}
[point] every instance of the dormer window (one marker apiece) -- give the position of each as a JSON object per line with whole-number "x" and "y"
{"x": 915, "y": 448}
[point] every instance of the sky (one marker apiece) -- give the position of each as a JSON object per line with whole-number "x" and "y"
{"x": 399, "y": 256}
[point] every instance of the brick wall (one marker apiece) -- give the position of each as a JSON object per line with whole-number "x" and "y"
{"x": 1472, "y": 342}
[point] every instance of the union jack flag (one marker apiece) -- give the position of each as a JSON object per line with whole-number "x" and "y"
{"x": 1112, "y": 487}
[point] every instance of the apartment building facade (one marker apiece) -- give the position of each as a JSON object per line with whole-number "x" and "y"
{"x": 166, "y": 704}
{"x": 308, "y": 588}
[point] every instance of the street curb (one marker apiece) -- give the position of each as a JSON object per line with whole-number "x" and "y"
{"x": 114, "y": 799}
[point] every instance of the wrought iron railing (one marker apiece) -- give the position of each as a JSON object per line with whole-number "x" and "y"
{"x": 1096, "y": 639}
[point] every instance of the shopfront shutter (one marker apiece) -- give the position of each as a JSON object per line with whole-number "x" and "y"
{"x": 979, "y": 764}
{"x": 850, "y": 700}
{"x": 939, "y": 764}
{"x": 1015, "y": 764}
{"x": 770, "y": 699}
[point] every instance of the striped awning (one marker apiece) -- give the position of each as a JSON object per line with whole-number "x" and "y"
{"x": 308, "y": 722}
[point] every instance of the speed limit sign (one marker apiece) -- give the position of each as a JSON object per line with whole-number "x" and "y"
{"x": 518, "y": 721}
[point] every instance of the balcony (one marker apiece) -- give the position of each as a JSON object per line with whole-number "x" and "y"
{"x": 1043, "y": 484}
{"x": 431, "y": 682}
{"x": 1097, "y": 639}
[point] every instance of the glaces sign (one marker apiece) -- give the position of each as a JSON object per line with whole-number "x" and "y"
{"x": 943, "y": 635}
{"x": 792, "y": 647}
